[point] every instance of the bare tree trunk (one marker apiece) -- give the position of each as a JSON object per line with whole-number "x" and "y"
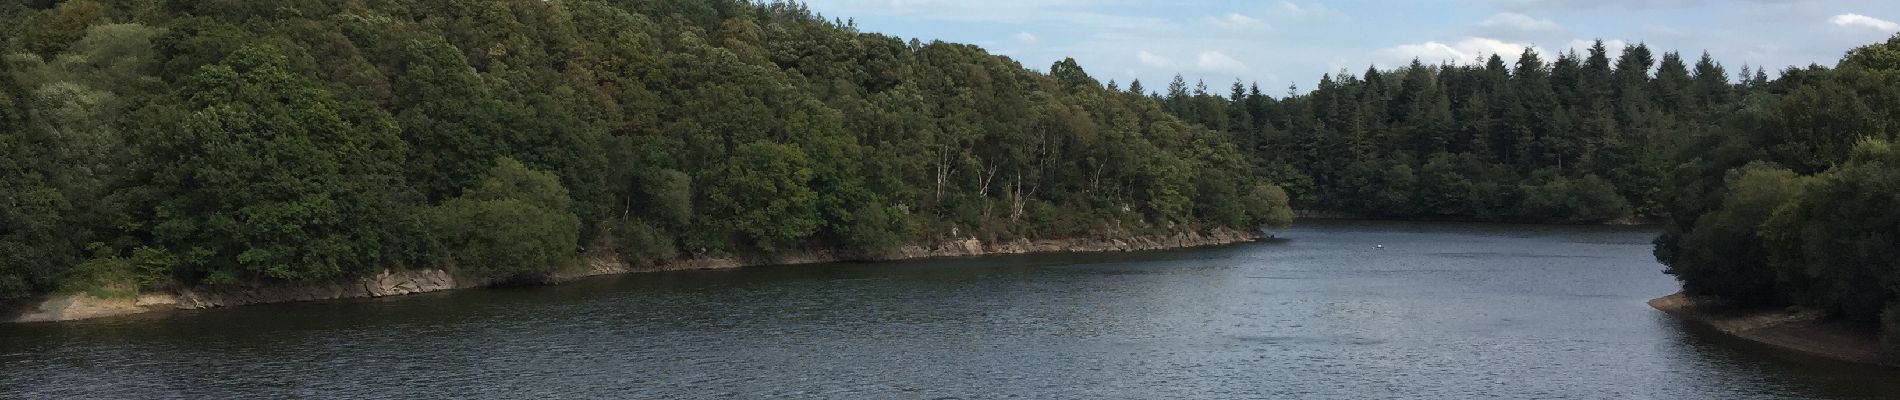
{"x": 943, "y": 170}
{"x": 1017, "y": 199}
{"x": 989, "y": 175}
{"x": 1095, "y": 178}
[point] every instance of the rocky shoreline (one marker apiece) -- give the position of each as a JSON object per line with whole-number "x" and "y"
{"x": 72, "y": 307}
{"x": 1795, "y": 329}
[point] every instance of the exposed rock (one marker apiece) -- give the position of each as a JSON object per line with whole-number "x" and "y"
{"x": 1796, "y": 329}
{"x": 77, "y": 307}
{"x": 70, "y": 307}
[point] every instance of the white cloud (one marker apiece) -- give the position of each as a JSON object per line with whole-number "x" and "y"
{"x": 1152, "y": 60}
{"x": 1309, "y": 12}
{"x": 1857, "y": 20}
{"x": 1466, "y": 50}
{"x": 1336, "y": 64}
{"x": 1237, "y": 23}
{"x": 1313, "y": 37}
{"x": 1026, "y": 38}
{"x": 1215, "y": 61}
{"x": 1520, "y": 22}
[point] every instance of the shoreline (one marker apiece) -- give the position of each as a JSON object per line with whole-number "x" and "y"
{"x": 82, "y": 306}
{"x": 1802, "y": 331}
{"x": 1349, "y": 216}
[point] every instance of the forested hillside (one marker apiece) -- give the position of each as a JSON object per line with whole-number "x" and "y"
{"x": 1796, "y": 201}
{"x": 152, "y": 143}
{"x": 1581, "y": 138}
{"x": 1773, "y": 192}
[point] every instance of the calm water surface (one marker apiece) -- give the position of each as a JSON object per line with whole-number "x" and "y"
{"x": 1442, "y": 311}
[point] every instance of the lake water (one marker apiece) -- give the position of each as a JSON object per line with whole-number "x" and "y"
{"x": 1444, "y": 310}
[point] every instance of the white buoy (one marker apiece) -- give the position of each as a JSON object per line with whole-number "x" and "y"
{"x": 1379, "y": 246}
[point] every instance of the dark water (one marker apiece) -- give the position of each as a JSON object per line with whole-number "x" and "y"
{"x": 1443, "y": 311}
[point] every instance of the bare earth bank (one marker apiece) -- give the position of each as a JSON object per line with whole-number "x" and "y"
{"x": 70, "y": 307}
{"x": 1804, "y": 331}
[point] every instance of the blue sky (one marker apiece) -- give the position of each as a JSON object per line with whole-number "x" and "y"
{"x": 1279, "y": 43}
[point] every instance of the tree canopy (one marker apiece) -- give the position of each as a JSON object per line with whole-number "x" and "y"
{"x": 212, "y": 142}
{"x": 1578, "y": 138}
{"x": 1790, "y": 201}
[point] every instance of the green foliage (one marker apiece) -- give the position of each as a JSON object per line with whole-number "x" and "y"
{"x": 26, "y": 208}
{"x": 1812, "y": 127}
{"x": 765, "y": 194}
{"x": 668, "y": 195}
{"x": 153, "y": 266}
{"x": 270, "y": 178}
{"x": 1820, "y": 232}
{"x": 513, "y": 224}
{"x": 29, "y": 258}
{"x": 511, "y": 180}
{"x": 1725, "y": 254}
{"x": 105, "y": 278}
{"x": 1266, "y": 205}
{"x": 1883, "y": 56}
{"x": 63, "y": 25}
{"x": 1555, "y": 197}
{"x": 238, "y": 141}
{"x": 1835, "y": 244}
{"x": 640, "y": 244}
{"x": 1459, "y": 140}
{"x": 62, "y": 152}
{"x": 1445, "y": 187}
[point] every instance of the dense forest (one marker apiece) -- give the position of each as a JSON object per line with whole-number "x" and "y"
{"x": 157, "y": 143}
{"x": 1795, "y": 198}
{"x": 1772, "y": 192}
{"x": 1583, "y": 138}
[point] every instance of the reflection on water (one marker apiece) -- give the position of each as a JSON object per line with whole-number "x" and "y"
{"x": 1441, "y": 311}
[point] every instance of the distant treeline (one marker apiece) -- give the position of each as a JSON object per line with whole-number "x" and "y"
{"x": 1587, "y": 137}
{"x": 153, "y": 143}
{"x": 1774, "y": 192}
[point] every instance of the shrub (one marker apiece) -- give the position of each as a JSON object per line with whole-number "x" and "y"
{"x": 640, "y": 244}
{"x": 101, "y": 277}
{"x": 514, "y": 224}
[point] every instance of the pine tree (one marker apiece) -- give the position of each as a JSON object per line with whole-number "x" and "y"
{"x": 1712, "y": 89}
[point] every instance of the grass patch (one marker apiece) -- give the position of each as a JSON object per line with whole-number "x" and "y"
{"x": 101, "y": 277}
